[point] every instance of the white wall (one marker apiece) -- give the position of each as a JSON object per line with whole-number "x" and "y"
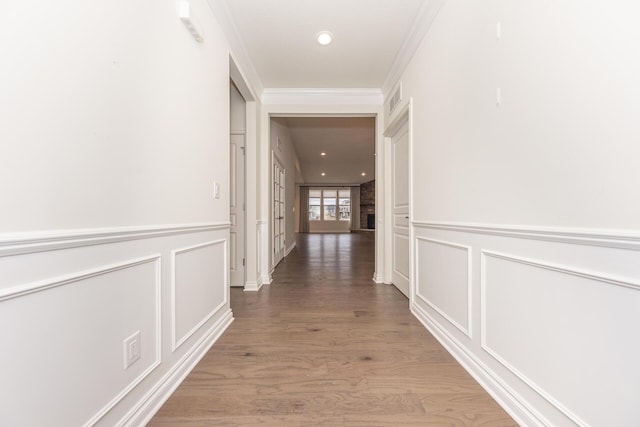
{"x": 527, "y": 213}
{"x": 114, "y": 125}
{"x": 329, "y": 226}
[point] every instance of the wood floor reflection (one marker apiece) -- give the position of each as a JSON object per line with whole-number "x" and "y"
{"x": 325, "y": 346}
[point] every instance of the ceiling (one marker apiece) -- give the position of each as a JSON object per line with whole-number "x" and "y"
{"x": 280, "y": 38}
{"x": 348, "y": 142}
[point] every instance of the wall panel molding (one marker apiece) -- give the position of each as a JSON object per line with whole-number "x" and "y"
{"x": 50, "y": 283}
{"x": 40, "y": 241}
{"x": 591, "y": 276}
{"x": 592, "y": 237}
{"x": 177, "y": 342}
{"x": 158, "y": 347}
{"x": 467, "y": 328}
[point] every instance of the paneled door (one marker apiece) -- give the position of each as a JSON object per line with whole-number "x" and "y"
{"x": 237, "y": 196}
{"x": 400, "y": 200}
{"x": 278, "y": 212}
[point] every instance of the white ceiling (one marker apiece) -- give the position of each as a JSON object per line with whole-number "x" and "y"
{"x": 348, "y": 142}
{"x": 279, "y": 37}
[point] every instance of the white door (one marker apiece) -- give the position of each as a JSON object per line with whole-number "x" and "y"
{"x": 236, "y": 237}
{"x": 278, "y": 212}
{"x": 400, "y": 200}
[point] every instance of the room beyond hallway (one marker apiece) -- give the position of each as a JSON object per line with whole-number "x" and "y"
{"x": 325, "y": 346}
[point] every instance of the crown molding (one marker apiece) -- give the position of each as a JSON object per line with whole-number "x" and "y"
{"x": 418, "y": 31}
{"x": 322, "y": 96}
{"x": 237, "y": 46}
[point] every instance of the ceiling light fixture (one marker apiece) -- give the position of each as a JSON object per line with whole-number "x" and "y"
{"x": 323, "y": 154}
{"x": 323, "y": 174}
{"x": 324, "y": 38}
{"x": 363, "y": 174}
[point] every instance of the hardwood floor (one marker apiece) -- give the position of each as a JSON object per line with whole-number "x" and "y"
{"x": 325, "y": 346}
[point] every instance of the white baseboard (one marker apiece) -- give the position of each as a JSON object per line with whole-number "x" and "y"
{"x": 506, "y": 398}
{"x": 289, "y": 249}
{"x": 252, "y": 286}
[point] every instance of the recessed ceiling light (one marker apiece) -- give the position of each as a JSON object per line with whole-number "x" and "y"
{"x": 324, "y": 37}
{"x": 323, "y": 154}
{"x": 363, "y": 174}
{"x": 323, "y": 174}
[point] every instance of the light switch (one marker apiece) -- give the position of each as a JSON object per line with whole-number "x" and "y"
{"x": 216, "y": 190}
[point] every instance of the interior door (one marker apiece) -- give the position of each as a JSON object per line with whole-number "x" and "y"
{"x": 400, "y": 200}
{"x": 278, "y": 212}
{"x": 237, "y": 216}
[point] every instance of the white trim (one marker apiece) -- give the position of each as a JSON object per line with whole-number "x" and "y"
{"x": 418, "y": 31}
{"x": 523, "y": 413}
{"x": 46, "y": 284}
{"x": 320, "y": 96}
{"x": 153, "y": 400}
{"x": 241, "y": 58}
{"x": 290, "y": 248}
{"x": 253, "y": 286}
{"x": 40, "y": 241}
{"x": 175, "y": 343}
{"x": 437, "y": 309}
{"x": 583, "y": 236}
{"x": 585, "y": 274}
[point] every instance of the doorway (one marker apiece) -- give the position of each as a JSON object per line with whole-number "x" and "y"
{"x": 237, "y": 235}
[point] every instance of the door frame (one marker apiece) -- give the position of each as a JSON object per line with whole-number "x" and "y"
{"x": 404, "y": 115}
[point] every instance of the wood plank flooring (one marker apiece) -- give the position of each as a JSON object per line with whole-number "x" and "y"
{"x": 325, "y": 346}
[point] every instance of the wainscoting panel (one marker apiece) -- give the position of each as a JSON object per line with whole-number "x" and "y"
{"x": 69, "y": 299}
{"x": 401, "y": 255}
{"x": 443, "y": 280}
{"x": 118, "y": 300}
{"x": 196, "y": 294}
{"x": 552, "y": 316}
{"x": 552, "y": 324}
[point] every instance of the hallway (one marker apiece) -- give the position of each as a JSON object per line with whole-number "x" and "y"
{"x": 325, "y": 346}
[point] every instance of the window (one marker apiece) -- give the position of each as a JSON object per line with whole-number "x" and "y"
{"x": 329, "y": 202}
{"x": 344, "y": 202}
{"x": 329, "y": 205}
{"x": 315, "y": 201}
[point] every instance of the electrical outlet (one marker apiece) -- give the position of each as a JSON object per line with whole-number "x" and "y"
{"x": 131, "y": 349}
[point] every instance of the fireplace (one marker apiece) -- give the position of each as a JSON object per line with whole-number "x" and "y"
{"x": 371, "y": 221}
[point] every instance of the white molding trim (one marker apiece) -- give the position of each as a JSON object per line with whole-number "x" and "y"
{"x": 253, "y": 286}
{"x": 418, "y": 31}
{"x": 147, "y": 407}
{"x": 378, "y": 278}
{"x": 320, "y": 96}
{"x": 290, "y": 248}
{"x": 591, "y": 237}
{"x": 507, "y": 397}
{"x": 238, "y": 50}
{"x": 466, "y": 331}
{"x": 588, "y": 275}
{"x": 175, "y": 342}
{"x": 40, "y": 241}
{"x": 46, "y": 284}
